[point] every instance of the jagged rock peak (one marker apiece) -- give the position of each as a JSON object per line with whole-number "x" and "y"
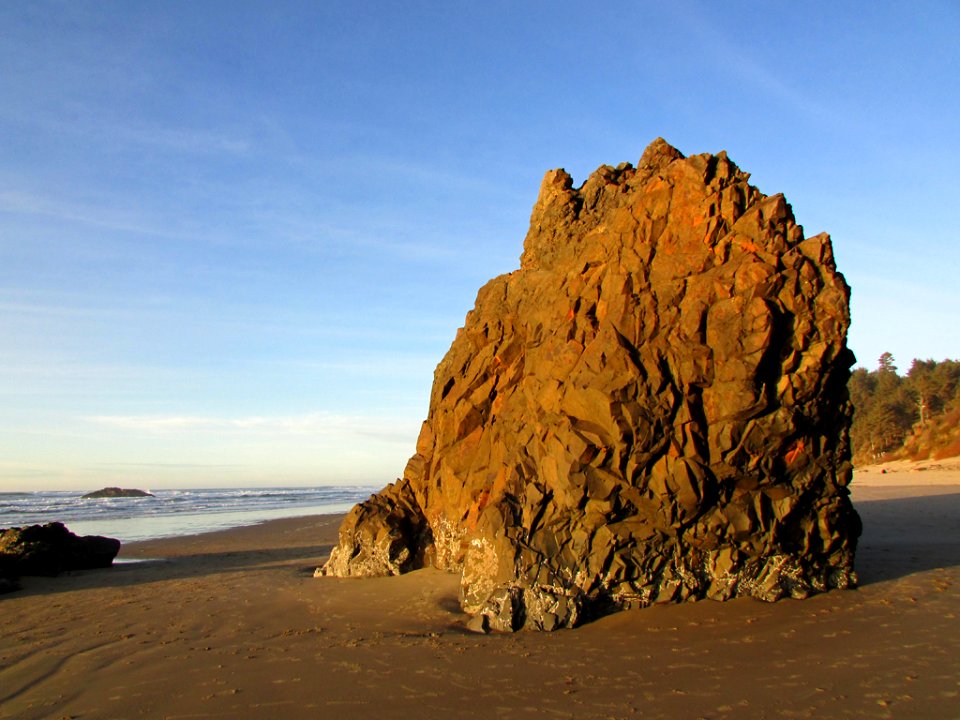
{"x": 653, "y": 408}
{"x": 658, "y": 154}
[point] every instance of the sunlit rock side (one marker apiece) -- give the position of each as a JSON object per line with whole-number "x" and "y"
{"x": 653, "y": 408}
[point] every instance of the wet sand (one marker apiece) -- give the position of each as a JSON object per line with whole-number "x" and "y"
{"x": 232, "y": 624}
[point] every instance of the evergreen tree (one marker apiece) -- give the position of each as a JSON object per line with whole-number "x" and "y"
{"x": 889, "y": 408}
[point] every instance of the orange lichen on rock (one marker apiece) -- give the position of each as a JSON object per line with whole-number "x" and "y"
{"x": 794, "y": 452}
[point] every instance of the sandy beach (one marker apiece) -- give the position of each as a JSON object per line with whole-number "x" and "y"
{"x": 232, "y": 624}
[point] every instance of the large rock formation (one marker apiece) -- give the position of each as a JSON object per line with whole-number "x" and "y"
{"x": 653, "y": 408}
{"x": 51, "y": 549}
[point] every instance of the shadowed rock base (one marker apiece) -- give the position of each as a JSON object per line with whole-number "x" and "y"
{"x": 50, "y": 550}
{"x": 653, "y": 408}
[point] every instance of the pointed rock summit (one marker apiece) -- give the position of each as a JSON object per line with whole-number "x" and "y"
{"x": 653, "y": 408}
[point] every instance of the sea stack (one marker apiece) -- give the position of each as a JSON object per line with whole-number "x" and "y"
{"x": 116, "y": 492}
{"x": 652, "y": 409}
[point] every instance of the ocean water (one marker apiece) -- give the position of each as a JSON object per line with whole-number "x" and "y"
{"x": 174, "y": 512}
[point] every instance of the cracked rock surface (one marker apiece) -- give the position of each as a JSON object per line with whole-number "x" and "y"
{"x": 653, "y": 408}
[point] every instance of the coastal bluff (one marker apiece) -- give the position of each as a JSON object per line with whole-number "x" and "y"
{"x": 653, "y": 408}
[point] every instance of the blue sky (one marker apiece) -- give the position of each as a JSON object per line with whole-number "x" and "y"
{"x": 236, "y": 238}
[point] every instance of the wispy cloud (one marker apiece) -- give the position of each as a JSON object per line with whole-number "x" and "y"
{"x": 732, "y": 57}
{"x": 88, "y": 119}
{"x": 184, "y": 140}
{"x": 167, "y": 466}
{"x": 321, "y": 424}
{"x": 63, "y": 311}
{"x": 100, "y": 215}
{"x": 23, "y": 471}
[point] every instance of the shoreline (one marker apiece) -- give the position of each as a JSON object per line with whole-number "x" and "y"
{"x": 176, "y": 513}
{"x": 232, "y": 623}
{"x": 288, "y": 532}
{"x": 914, "y": 473}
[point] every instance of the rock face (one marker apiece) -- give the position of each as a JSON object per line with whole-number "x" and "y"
{"x": 653, "y": 408}
{"x": 51, "y": 549}
{"x": 115, "y": 492}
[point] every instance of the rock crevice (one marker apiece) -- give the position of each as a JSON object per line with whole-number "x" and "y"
{"x": 653, "y": 408}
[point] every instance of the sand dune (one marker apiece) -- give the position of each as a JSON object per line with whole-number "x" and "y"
{"x": 233, "y": 624}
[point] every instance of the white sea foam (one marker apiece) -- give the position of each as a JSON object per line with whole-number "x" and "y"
{"x": 174, "y": 512}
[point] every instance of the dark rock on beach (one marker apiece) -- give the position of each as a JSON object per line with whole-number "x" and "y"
{"x": 115, "y": 492}
{"x": 652, "y": 409}
{"x": 51, "y": 549}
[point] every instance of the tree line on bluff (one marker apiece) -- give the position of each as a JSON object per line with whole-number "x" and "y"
{"x": 912, "y": 417}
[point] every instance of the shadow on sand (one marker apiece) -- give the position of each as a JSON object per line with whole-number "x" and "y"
{"x": 907, "y": 535}
{"x": 146, "y": 570}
